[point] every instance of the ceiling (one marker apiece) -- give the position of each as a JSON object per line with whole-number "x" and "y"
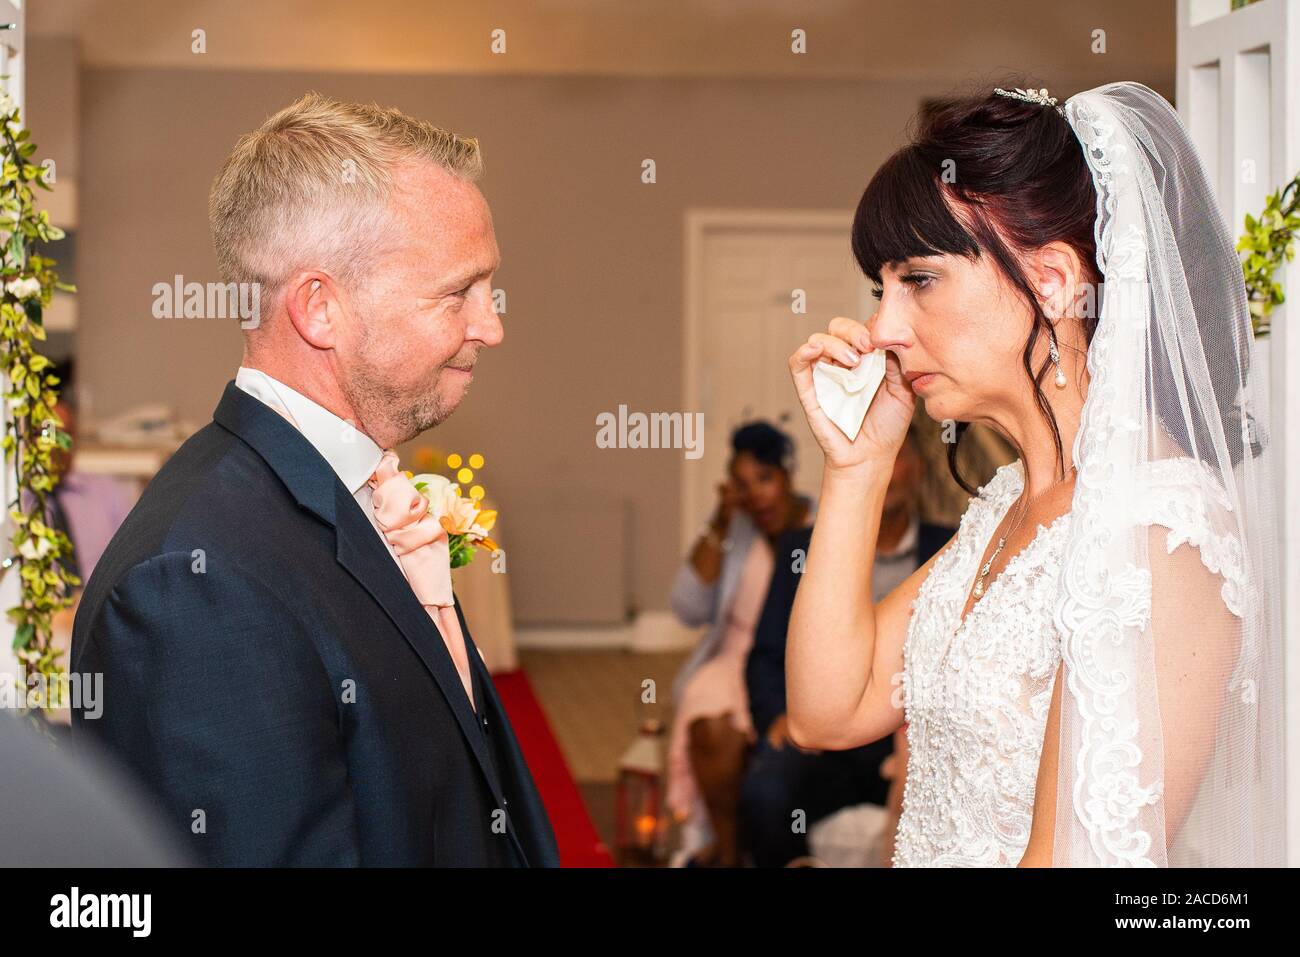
{"x": 925, "y": 41}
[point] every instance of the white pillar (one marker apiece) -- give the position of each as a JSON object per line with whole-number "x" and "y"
{"x": 12, "y": 67}
{"x": 1238, "y": 93}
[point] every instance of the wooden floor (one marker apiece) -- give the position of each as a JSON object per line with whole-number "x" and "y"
{"x": 593, "y": 700}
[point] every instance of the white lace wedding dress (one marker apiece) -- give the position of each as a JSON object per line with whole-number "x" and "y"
{"x": 977, "y": 692}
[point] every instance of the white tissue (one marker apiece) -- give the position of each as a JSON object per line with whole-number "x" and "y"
{"x": 845, "y": 394}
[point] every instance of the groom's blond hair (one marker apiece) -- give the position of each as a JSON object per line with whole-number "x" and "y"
{"x": 309, "y": 189}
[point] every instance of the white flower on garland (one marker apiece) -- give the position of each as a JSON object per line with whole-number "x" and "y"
{"x": 24, "y": 288}
{"x": 33, "y": 549}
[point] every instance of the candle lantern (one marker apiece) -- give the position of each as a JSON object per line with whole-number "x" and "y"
{"x": 640, "y": 817}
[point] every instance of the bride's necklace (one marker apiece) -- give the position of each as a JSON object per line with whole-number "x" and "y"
{"x": 979, "y": 580}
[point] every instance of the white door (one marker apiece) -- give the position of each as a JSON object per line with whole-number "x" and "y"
{"x": 758, "y": 284}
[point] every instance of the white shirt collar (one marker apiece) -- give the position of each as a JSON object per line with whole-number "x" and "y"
{"x": 351, "y": 454}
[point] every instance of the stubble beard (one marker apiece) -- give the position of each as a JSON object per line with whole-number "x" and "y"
{"x": 381, "y": 406}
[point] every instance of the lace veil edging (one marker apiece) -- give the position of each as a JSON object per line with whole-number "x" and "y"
{"x": 1173, "y": 374}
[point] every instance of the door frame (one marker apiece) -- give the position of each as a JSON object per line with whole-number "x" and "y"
{"x": 699, "y": 223}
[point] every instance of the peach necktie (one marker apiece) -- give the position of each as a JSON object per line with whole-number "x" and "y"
{"x": 420, "y": 543}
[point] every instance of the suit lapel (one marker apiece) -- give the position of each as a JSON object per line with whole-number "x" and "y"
{"x": 364, "y": 557}
{"x": 360, "y": 552}
{"x": 488, "y": 703}
{"x": 516, "y": 767}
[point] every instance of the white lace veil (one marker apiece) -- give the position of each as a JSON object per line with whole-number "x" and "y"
{"x": 1171, "y": 709}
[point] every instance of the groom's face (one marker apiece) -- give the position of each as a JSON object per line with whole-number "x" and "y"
{"x": 427, "y": 312}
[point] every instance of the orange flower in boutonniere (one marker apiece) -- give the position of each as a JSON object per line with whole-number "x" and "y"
{"x": 466, "y": 521}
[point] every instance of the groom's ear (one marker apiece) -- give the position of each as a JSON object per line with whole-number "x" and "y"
{"x": 313, "y": 305}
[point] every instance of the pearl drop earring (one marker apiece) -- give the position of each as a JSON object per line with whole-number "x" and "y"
{"x": 1055, "y": 356}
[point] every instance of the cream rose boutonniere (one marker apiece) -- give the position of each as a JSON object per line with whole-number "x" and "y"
{"x": 466, "y": 521}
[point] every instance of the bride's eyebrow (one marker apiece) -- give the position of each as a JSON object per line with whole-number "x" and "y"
{"x": 901, "y": 265}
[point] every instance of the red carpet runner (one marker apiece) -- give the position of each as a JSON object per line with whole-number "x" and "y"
{"x": 580, "y": 844}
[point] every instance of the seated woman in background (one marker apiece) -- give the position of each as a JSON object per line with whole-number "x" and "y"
{"x": 722, "y": 584}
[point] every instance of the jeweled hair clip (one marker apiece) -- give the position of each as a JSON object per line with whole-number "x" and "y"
{"x": 1031, "y": 96}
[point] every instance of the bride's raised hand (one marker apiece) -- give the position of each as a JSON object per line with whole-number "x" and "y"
{"x": 889, "y": 415}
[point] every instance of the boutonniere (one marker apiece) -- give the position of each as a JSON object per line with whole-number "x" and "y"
{"x": 466, "y": 521}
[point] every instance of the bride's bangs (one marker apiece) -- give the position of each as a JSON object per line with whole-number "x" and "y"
{"x": 904, "y": 213}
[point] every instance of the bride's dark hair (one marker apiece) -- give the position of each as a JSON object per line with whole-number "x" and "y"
{"x": 983, "y": 175}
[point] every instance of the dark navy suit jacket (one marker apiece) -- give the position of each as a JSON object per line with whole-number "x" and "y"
{"x": 765, "y": 670}
{"x": 270, "y": 676}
